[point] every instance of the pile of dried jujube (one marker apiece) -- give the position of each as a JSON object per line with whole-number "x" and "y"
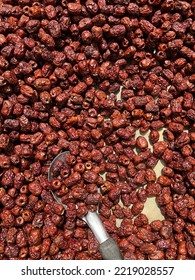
{"x": 62, "y": 64}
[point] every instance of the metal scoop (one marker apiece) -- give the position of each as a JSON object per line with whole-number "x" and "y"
{"x": 107, "y": 245}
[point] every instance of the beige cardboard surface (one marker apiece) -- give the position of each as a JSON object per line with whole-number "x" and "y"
{"x": 151, "y": 209}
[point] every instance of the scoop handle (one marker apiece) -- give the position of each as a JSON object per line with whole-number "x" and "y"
{"x": 110, "y": 250}
{"x": 107, "y": 246}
